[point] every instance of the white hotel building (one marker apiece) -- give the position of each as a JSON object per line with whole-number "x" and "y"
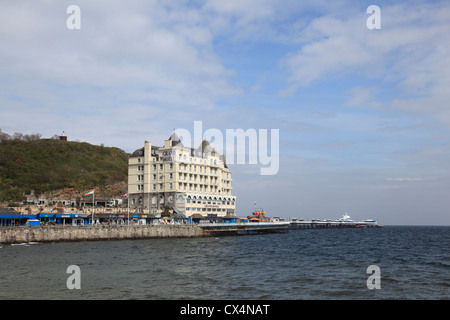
{"x": 178, "y": 180}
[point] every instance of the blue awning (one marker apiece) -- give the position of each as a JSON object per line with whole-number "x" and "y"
{"x": 17, "y": 216}
{"x": 71, "y": 216}
{"x": 9, "y": 216}
{"x": 46, "y": 215}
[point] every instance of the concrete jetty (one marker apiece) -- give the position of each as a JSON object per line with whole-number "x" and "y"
{"x": 58, "y": 233}
{"x": 24, "y": 234}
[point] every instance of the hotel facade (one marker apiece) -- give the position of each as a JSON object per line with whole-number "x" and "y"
{"x": 182, "y": 181}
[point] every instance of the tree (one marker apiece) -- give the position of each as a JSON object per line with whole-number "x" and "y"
{"x": 4, "y": 136}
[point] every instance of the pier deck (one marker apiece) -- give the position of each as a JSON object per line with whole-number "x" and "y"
{"x": 311, "y": 224}
{"x": 241, "y": 228}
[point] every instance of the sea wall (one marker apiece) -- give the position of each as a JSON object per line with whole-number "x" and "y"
{"x": 94, "y": 232}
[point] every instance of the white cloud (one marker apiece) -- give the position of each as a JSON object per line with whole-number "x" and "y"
{"x": 363, "y": 97}
{"x": 114, "y": 47}
{"x": 410, "y": 53}
{"x": 139, "y": 56}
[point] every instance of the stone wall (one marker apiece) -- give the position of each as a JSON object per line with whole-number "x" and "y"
{"x": 85, "y": 233}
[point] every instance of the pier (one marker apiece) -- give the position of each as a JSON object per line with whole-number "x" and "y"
{"x": 343, "y": 222}
{"x": 243, "y": 228}
{"x": 311, "y": 224}
{"x": 204, "y": 227}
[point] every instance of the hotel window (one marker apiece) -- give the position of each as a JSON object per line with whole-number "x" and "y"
{"x": 160, "y": 186}
{"x": 154, "y": 186}
{"x": 161, "y": 166}
{"x": 170, "y": 186}
{"x": 171, "y": 166}
{"x": 154, "y": 167}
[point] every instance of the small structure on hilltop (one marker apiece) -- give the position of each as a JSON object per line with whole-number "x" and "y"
{"x": 63, "y": 137}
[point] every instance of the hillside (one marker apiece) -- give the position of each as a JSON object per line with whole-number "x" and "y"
{"x": 47, "y": 165}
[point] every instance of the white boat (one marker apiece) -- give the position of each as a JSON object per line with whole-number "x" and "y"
{"x": 345, "y": 218}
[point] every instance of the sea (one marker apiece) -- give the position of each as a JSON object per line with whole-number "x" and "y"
{"x": 389, "y": 263}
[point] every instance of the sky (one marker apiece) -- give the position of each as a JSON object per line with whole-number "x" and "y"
{"x": 363, "y": 114}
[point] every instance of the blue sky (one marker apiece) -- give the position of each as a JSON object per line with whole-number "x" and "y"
{"x": 363, "y": 114}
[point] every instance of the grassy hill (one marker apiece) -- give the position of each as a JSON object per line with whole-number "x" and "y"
{"x": 46, "y": 165}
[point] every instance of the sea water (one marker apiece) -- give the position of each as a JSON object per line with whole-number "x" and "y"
{"x": 413, "y": 262}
